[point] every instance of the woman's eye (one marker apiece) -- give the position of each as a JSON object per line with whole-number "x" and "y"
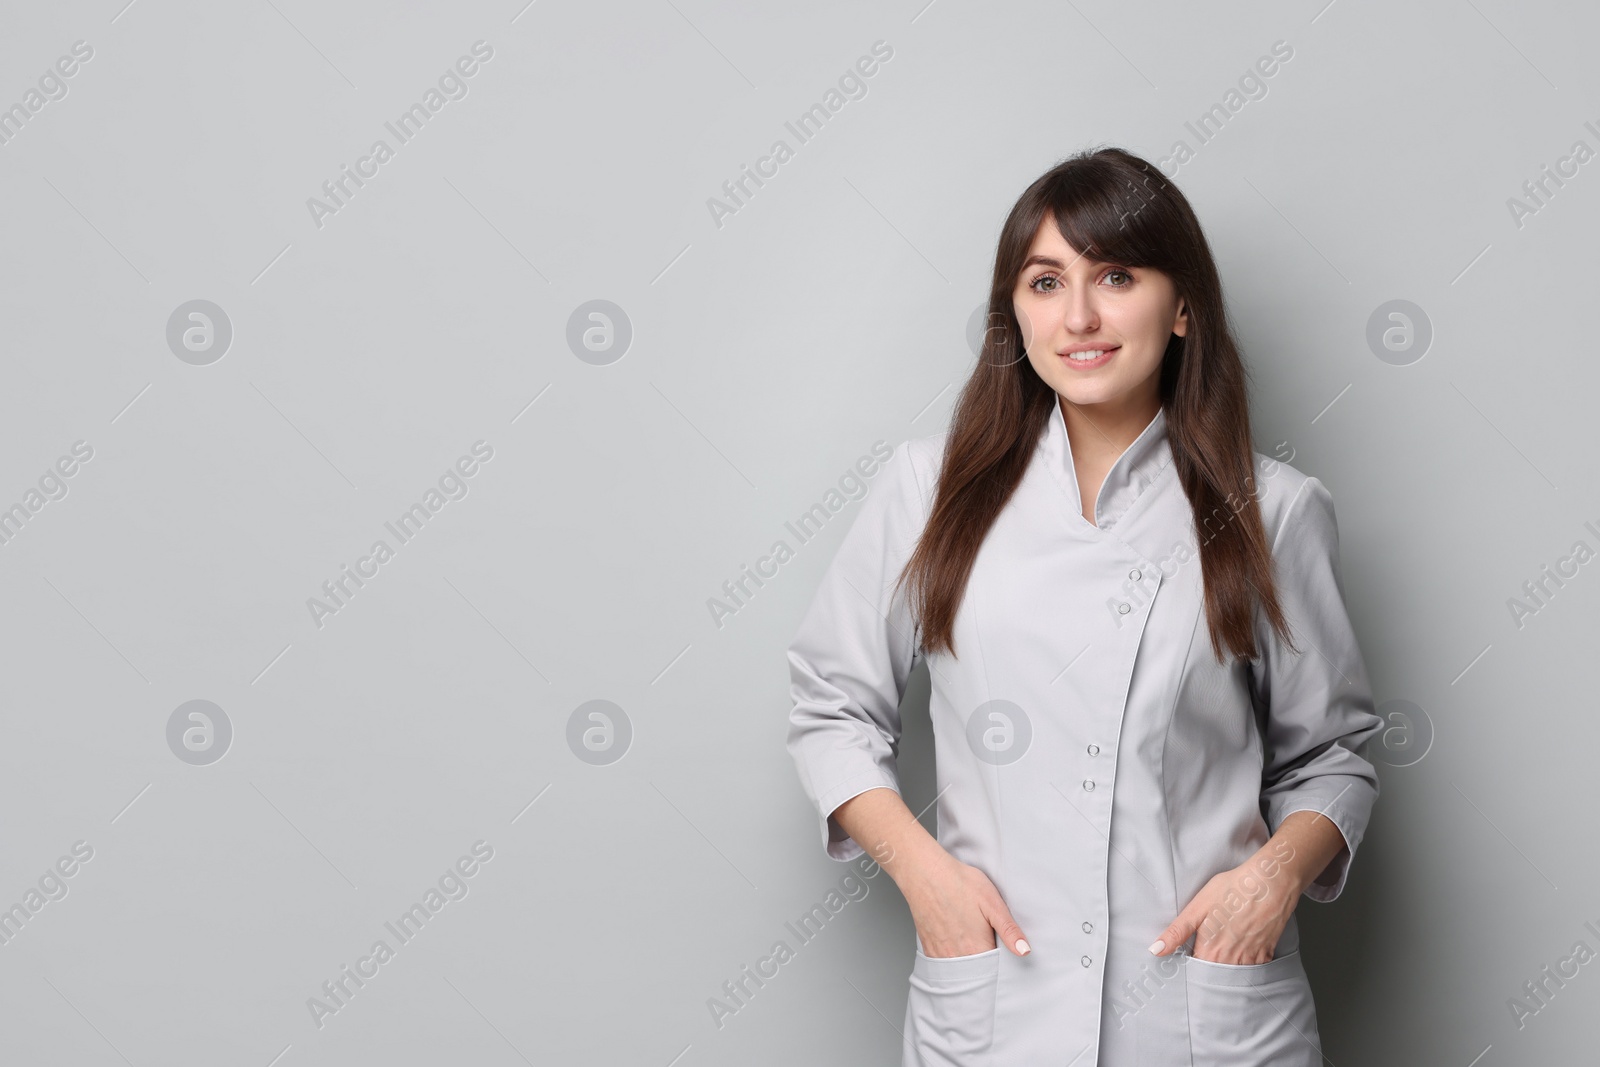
{"x": 1049, "y": 283}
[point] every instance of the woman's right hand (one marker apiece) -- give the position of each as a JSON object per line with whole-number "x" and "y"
{"x": 957, "y": 910}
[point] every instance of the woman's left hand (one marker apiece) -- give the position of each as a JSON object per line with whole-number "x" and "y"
{"x": 1238, "y": 916}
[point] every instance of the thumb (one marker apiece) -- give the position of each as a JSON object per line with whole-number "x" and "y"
{"x": 1182, "y": 928}
{"x": 1006, "y": 928}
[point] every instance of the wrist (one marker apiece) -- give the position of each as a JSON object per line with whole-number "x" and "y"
{"x": 912, "y": 857}
{"x": 1281, "y": 868}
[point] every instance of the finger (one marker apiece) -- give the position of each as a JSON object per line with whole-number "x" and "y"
{"x": 1006, "y": 928}
{"x": 1174, "y": 935}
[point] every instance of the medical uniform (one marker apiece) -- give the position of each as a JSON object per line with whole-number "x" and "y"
{"x": 1093, "y": 757}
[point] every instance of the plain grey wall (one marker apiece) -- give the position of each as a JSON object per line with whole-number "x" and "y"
{"x": 539, "y": 272}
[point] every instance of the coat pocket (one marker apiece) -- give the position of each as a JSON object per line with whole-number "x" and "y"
{"x": 950, "y": 1008}
{"x": 1252, "y": 1014}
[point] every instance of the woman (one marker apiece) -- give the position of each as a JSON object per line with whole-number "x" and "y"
{"x": 1149, "y": 707}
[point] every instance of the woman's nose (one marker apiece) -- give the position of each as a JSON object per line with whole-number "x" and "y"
{"x": 1080, "y": 314}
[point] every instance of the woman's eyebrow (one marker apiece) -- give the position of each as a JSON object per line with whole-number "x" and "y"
{"x": 1053, "y": 262}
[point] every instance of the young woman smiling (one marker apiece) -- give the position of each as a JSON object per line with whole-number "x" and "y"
{"x": 1151, "y": 744}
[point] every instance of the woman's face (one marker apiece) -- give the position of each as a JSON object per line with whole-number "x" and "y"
{"x": 1067, "y": 301}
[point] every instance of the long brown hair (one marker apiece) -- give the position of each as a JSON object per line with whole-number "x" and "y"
{"x": 1116, "y": 207}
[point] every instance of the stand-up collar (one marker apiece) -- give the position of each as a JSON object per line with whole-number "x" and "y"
{"x": 1133, "y": 472}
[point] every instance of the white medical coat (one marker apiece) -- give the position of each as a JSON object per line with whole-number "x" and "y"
{"x": 1093, "y": 757}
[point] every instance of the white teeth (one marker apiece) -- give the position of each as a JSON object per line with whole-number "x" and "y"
{"x": 1096, "y": 354}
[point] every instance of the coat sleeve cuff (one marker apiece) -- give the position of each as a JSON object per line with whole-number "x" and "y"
{"x": 835, "y": 842}
{"x": 1346, "y": 800}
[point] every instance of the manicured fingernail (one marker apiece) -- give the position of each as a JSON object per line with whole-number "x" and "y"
{"x": 1157, "y": 946}
{"x": 1022, "y": 947}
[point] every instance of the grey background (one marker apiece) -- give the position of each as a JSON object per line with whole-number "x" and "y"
{"x": 767, "y": 354}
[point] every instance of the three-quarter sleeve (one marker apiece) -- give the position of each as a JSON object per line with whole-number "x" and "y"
{"x": 853, "y": 652}
{"x": 1316, "y": 708}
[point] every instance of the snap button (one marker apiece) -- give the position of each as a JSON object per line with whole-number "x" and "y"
{"x": 1087, "y": 961}
{"x": 1134, "y": 575}
{"x": 1088, "y": 928}
{"x": 1087, "y": 784}
{"x": 1094, "y": 750}
{"x": 1122, "y": 609}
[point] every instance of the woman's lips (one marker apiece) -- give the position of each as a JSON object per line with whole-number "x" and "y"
{"x": 1090, "y": 364}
